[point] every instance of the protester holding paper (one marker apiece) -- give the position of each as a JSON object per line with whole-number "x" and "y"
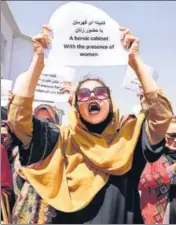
{"x": 87, "y": 172}
{"x": 158, "y": 180}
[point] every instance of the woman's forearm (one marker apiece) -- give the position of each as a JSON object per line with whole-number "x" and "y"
{"x": 159, "y": 113}
{"x": 147, "y": 81}
{"x": 29, "y": 83}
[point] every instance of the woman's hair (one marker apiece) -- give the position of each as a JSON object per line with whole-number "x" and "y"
{"x": 88, "y": 78}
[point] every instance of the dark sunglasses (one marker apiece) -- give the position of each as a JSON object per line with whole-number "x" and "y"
{"x": 171, "y": 136}
{"x": 101, "y": 93}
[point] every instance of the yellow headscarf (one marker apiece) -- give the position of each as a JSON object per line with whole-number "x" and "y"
{"x": 81, "y": 162}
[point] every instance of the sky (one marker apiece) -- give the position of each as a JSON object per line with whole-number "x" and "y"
{"x": 152, "y": 21}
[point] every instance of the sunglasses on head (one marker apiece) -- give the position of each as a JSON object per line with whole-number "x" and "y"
{"x": 101, "y": 93}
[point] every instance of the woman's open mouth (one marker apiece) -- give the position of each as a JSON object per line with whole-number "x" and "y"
{"x": 94, "y": 108}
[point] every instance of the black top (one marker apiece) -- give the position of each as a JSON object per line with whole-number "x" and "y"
{"x": 118, "y": 201}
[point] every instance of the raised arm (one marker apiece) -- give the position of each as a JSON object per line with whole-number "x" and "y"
{"x": 20, "y": 109}
{"x": 159, "y": 112}
{"x": 40, "y": 42}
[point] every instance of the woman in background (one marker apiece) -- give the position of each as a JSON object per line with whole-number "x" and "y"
{"x": 48, "y": 112}
{"x": 156, "y": 183}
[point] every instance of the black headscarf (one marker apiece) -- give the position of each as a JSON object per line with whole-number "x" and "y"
{"x": 98, "y": 128}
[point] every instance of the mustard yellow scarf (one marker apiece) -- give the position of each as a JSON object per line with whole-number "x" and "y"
{"x": 81, "y": 162}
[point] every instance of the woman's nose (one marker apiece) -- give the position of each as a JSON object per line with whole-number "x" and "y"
{"x": 92, "y": 96}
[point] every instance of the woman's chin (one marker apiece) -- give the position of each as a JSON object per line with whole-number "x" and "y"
{"x": 95, "y": 119}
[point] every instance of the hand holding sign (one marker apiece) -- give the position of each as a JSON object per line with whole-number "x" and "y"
{"x": 130, "y": 43}
{"x": 42, "y": 40}
{"x": 68, "y": 88}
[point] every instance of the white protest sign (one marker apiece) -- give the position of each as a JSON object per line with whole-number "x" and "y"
{"x": 6, "y": 86}
{"x": 50, "y": 82}
{"x": 131, "y": 81}
{"x": 84, "y": 35}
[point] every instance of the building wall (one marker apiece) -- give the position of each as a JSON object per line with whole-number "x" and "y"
{"x": 18, "y": 51}
{"x": 21, "y": 57}
{"x": 8, "y": 35}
